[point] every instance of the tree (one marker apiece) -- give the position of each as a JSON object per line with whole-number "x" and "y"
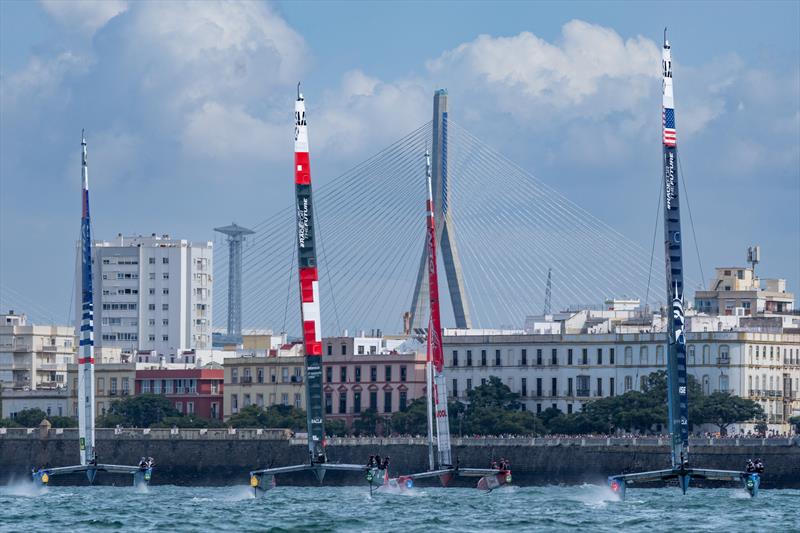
{"x": 30, "y": 418}
{"x": 367, "y": 423}
{"x": 795, "y": 421}
{"x": 142, "y": 411}
{"x": 493, "y": 395}
{"x": 188, "y": 421}
{"x": 335, "y": 428}
{"x": 274, "y": 416}
{"x": 761, "y": 427}
{"x": 413, "y": 420}
{"x": 723, "y": 409}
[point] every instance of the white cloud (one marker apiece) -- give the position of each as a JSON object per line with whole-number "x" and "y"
{"x": 40, "y": 79}
{"x": 83, "y": 16}
{"x": 591, "y": 72}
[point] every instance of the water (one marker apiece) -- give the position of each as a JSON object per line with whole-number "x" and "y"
{"x": 320, "y": 509}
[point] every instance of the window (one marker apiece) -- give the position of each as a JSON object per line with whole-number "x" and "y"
{"x": 373, "y": 373}
{"x": 165, "y": 322}
{"x": 611, "y": 356}
{"x": 569, "y": 356}
{"x": 524, "y": 357}
{"x": 611, "y": 388}
{"x": 152, "y": 307}
{"x": 469, "y": 357}
{"x": 343, "y": 374}
{"x": 403, "y": 400}
{"x": 599, "y": 356}
{"x": 483, "y": 357}
{"x": 358, "y": 374}
{"x": 659, "y": 355}
{"x": 643, "y": 357}
{"x": 373, "y": 400}
{"x": 101, "y": 385}
{"x": 152, "y": 275}
{"x": 151, "y": 260}
{"x": 260, "y": 377}
{"x": 628, "y": 383}
{"x": 360, "y": 349}
{"x": 344, "y": 349}
{"x": 387, "y": 401}
{"x": 260, "y": 400}
{"x": 538, "y": 408}
{"x": 330, "y": 349}
{"x": 539, "y": 356}
{"x": 538, "y": 387}
{"x": 628, "y": 355}
{"x": 524, "y": 387}
{"x": 165, "y": 307}
{"x": 284, "y": 375}
{"x": 234, "y": 375}
{"x": 403, "y": 373}
{"x": 497, "y": 361}
{"x": 285, "y": 398}
{"x": 125, "y": 386}
{"x": 554, "y": 357}
{"x": 582, "y": 386}
{"x": 165, "y": 338}
{"x": 554, "y": 387}
{"x": 707, "y": 353}
{"x": 189, "y": 408}
{"x": 165, "y": 291}
{"x": 151, "y": 338}
{"x": 234, "y": 403}
{"x": 585, "y": 356}
{"x": 599, "y": 386}
{"x": 388, "y": 372}
{"x": 165, "y": 275}
{"x": 569, "y": 408}
{"x": 342, "y": 403}
{"x": 469, "y": 384}
{"x": 357, "y": 402}
{"x": 328, "y": 374}
{"x": 179, "y": 406}
{"x": 455, "y": 388}
{"x": 569, "y": 386}
{"x": 455, "y": 357}
{"x": 298, "y": 403}
{"x": 152, "y": 291}
{"x": 328, "y": 403}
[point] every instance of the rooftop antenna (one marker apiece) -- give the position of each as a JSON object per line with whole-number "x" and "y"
{"x": 754, "y": 257}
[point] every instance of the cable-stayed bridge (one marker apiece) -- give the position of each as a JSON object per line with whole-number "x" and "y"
{"x": 506, "y": 230}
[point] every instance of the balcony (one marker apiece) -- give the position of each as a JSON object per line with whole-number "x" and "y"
{"x": 723, "y": 360}
{"x": 247, "y": 380}
{"x": 50, "y": 348}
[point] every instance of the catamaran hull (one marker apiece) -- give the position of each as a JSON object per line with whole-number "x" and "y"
{"x": 750, "y": 481}
{"x": 495, "y": 481}
{"x": 141, "y": 476}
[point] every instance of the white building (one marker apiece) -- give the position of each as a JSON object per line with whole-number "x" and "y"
{"x": 567, "y": 370}
{"x": 152, "y": 294}
{"x": 34, "y": 356}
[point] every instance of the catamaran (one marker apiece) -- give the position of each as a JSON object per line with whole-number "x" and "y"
{"x": 86, "y": 406}
{"x": 677, "y": 383}
{"x": 436, "y": 385}
{"x": 264, "y": 479}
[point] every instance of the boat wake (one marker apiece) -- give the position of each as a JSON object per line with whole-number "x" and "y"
{"x": 23, "y": 488}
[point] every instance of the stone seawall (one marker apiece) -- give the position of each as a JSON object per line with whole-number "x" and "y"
{"x": 219, "y": 457}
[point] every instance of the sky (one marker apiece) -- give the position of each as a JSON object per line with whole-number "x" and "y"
{"x": 188, "y": 113}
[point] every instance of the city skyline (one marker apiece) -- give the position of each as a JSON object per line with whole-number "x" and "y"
{"x": 198, "y": 121}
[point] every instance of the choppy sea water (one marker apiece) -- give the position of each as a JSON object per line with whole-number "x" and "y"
{"x": 321, "y": 509}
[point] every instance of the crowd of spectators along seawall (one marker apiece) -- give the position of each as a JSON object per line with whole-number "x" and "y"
{"x": 225, "y": 456}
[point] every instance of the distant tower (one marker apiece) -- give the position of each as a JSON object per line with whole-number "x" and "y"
{"x": 445, "y": 230}
{"x": 548, "y": 292}
{"x": 236, "y": 235}
{"x": 754, "y": 257}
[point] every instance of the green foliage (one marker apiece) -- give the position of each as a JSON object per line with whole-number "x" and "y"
{"x": 274, "y": 416}
{"x": 494, "y": 410}
{"x": 63, "y": 421}
{"x": 335, "y": 428}
{"x": 412, "y": 421}
{"x": 188, "y": 421}
{"x": 723, "y": 409}
{"x": 30, "y": 418}
{"x": 367, "y": 423}
{"x": 795, "y": 421}
{"x": 8, "y": 423}
{"x": 761, "y": 427}
{"x": 142, "y": 411}
{"x": 493, "y": 395}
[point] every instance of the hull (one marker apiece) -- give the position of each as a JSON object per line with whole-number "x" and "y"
{"x": 491, "y": 482}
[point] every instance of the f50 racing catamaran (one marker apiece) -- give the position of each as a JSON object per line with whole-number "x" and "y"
{"x": 86, "y": 406}
{"x": 436, "y": 390}
{"x": 677, "y": 384}
{"x": 264, "y": 479}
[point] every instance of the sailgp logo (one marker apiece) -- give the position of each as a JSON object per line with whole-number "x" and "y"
{"x": 302, "y": 223}
{"x": 669, "y": 177}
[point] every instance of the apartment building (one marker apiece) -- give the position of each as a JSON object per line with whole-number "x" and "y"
{"x": 264, "y": 381}
{"x": 34, "y": 356}
{"x": 192, "y": 391}
{"x": 567, "y": 370}
{"x": 152, "y": 293}
{"x": 113, "y": 381}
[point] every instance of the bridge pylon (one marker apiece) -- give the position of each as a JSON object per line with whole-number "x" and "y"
{"x": 445, "y": 229}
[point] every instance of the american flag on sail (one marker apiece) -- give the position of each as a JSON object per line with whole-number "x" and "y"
{"x": 670, "y": 137}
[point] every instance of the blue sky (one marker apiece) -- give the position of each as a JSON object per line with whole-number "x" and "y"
{"x": 188, "y": 109}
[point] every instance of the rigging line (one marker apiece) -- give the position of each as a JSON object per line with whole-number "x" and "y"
{"x": 549, "y": 202}
{"x": 527, "y": 214}
{"x": 653, "y": 247}
{"x": 332, "y": 259}
{"x": 691, "y": 222}
{"x": 560, "y": 198}
{"x": 349, "y": 179}
{"x": 289, "y": 286}
{"x": 328, "y": 274}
